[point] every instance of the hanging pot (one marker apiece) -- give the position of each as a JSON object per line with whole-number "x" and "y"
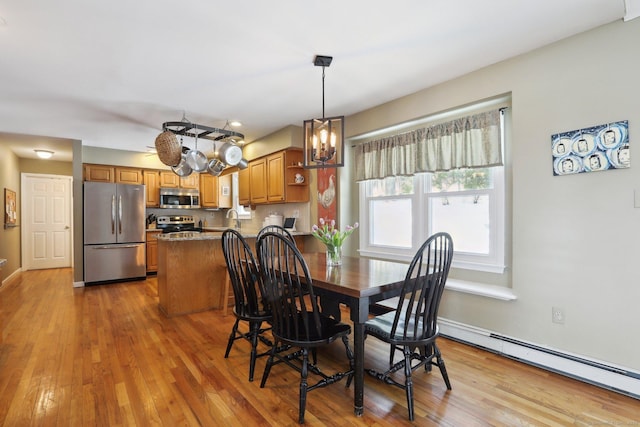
{"x": 182, "y": 169}
{"x": 215, "y": 167}
{"x": 230, "y": 153}
{"x": 197, "y": 160}
{"x": 243, "y": 164}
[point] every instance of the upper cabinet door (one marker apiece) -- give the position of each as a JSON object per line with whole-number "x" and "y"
{"x": 168, "y": 179}
{"x": 99, "y": 173}
{"x": 128, "y": 175}
{"x": 244, "y": 187}
{"x": 275, "y": 178}
{"x": 152, "y": 186}
{"x": 258, "y": 179}
{"x": 191, "y": 181}
{"x": 208, "y": 191}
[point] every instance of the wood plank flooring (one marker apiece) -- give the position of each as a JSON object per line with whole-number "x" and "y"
{"x": 105, "y": 356}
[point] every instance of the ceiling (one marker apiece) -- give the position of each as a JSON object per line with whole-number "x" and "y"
{"x": 110, "y": 73}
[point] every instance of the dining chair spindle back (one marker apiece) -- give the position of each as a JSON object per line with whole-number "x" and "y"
{"x": 413, "y": 326}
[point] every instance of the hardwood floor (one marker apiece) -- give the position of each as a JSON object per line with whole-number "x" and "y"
{"x": 104, "y": 355}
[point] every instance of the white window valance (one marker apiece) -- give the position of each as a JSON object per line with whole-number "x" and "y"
{"x": 466, "y": 142}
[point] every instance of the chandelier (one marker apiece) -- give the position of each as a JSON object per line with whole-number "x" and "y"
{"x": 323, "y": 141}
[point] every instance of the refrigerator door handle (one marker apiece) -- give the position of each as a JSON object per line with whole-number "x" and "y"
{"x": 120, "y": 214}
{"x": 113, "y": 214}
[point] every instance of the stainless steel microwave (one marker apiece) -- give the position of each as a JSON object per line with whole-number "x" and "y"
{"x": 179, "y": 198}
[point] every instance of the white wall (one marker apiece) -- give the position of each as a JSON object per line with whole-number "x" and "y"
{"x": 576, "y": 239}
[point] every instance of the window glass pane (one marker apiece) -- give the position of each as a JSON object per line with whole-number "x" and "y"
{"x": 390, "y": 223}
{"x": 466, "y": 218}
{"x": 461, "y": 179}
{"x": 392, "y": 186}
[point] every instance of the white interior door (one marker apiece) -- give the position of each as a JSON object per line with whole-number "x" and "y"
{"x": 46, "y": 221}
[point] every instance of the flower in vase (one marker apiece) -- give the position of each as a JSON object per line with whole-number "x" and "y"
{"x": 328, "y": 234}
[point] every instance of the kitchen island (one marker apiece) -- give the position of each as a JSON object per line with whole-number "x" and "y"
{"x": 192, "y": 273}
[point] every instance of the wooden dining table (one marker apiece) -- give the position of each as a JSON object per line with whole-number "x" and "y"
{"x": 358, "y": 283}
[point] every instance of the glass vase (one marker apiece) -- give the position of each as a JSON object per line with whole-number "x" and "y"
{"x": 334, "y": 255}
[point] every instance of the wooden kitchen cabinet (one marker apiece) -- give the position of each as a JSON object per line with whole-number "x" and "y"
{"x": 151, "y": 179}
{"x": 117, "y": 174}
{"x": 169, "y": 179}
{"x": 128, "y": 175}
{"x": 215, "y": 192}
{"x": 258, "y": 181}
{"x": 272, "y": 178}
{"x": 208, "y": 191}
{"x": 295, "y": 192}
{"x": 275, "y": 178}
{"x": 191, "y": 181}
{"x": 244, "y": 187}
{"x": 99, "y": 173}
{"x": 152, "y": 251}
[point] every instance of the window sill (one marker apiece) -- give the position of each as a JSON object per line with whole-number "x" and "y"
{"x": 408, "y": 256}
{"x": 474, "y": 288}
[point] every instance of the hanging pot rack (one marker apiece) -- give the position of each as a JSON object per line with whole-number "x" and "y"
{"x": 195, "y": 130}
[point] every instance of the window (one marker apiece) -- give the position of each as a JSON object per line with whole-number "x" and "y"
{"x": 398, "y": 213}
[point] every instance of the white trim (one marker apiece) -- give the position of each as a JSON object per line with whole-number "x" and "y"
{"x": 603, "y": 374}
{"x": 489, "y": 291}
{"x": 78, "y": 284}
{"x": 473, "y": 288}
{"x": 11, "y": 276}
{"x": 631, "y": 9}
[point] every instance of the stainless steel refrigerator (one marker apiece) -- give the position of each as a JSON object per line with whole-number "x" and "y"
{"x": 114, "y": 232}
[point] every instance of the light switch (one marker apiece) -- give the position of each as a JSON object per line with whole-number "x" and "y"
{"x": 636, "y": 198}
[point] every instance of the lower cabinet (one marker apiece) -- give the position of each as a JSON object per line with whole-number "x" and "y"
{"x": 152, "y": 251}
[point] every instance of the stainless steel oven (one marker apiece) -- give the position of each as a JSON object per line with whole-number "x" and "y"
{"x": 177, "y": 223}
{"x": 179, "y": 198}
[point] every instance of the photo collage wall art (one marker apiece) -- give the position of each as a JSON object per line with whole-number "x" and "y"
{"x": 591, "y": 149}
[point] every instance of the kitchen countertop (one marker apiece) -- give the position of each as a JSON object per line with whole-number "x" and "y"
{"x": 214, "y": 233}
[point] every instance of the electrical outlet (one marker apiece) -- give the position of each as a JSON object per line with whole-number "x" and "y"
{"x": 557, "y": 315}
{"x": 296, "y": 214}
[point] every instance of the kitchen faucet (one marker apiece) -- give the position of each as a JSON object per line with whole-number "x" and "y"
{"x": 237, "y": 217}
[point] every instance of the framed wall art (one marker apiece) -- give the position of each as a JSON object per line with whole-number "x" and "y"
{"x": 10, "y": 208}
{"x": 593, "y": 149}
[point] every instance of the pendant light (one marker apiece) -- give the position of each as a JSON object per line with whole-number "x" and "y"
{"x": 323, "y": 141}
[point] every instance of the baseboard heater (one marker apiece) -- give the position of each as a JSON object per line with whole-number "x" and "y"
{"x": 617, "y": 379}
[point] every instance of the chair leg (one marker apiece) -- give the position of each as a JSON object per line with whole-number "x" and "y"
{"x": 392, "y": 351}
{"x": 304, "y": 372}
{"x": 267, "y": 367}
{"x": 350, "y": 356}
{"x": 232, "y": 338}
{"x": 443, "y": 369}
{"x": 408, "y": 383}
{"x": 255, "y": 330}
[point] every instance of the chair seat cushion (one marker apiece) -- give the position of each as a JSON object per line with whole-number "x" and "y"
{"x": 380, "y": 326}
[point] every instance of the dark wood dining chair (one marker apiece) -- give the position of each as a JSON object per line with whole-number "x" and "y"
{"x": 275, "y": 229}
{"x": 412, "y": 327}
{"x": 297, "y": 320}
{"x": 250, "y": 304}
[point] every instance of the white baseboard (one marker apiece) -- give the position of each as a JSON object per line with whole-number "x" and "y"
{"x": 78, "y": 284}
{"x": 11, "y": 276}
{"x": 602, "y": 374}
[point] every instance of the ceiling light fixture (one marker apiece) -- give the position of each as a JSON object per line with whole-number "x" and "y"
{"x": 44, "y": 154}
{"x": 323, "y": 141}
